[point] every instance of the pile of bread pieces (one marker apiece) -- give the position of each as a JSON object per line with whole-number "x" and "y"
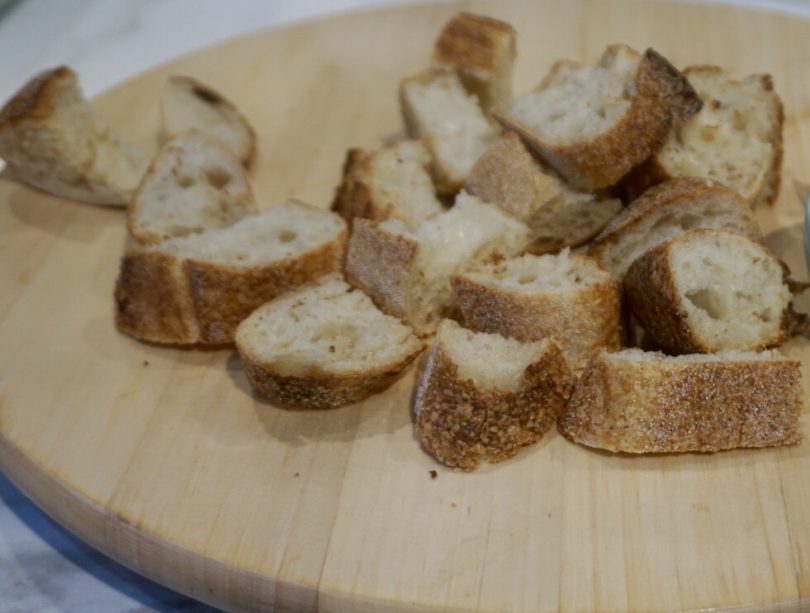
{"x": 584, "y": 254}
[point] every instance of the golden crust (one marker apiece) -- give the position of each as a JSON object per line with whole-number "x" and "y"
{"x": 353, "y": 196}
{"x": 35, "y": 100}
{"x": 461, "y": 424}
{"x": 663, "y": 98}
{"x": 664, "y": 406}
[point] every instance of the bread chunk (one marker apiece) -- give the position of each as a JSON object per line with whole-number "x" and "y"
{"x": 390, "y": 182}
{"x": 438, "y": 110}
{"x": 407, "y": 274}
{"x": 197, "y": 288}
{"x": 594, "y": 124}
{"x": 638, "y": 402}
{"x": 53, "y": 140}
{"x": 482, "y": 50}
{"x": 194, "y": 184}
{"x": 483, "y": 396}
{"x": 566, "y": 297}
{"x": 188, "y": 104}
{"x": 666, "y": 210}
{"x": 704, "y": 291}
{"x": 322, "y": 346}
{"x": 507, "y": 176}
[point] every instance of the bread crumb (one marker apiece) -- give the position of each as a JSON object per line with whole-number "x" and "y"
{"x": 146, "y": 362}
{"x": 296, "y": 475}
{"x": 433, "y": 474}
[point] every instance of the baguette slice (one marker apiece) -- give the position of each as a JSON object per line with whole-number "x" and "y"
{"x": 569, "y": 298}
{"x": 323, "y": 346}
{"x": 594, "y": 124}
{"x": 194, "y": 184}
{"x": 52, "y": 139}
{"x": 736, "y": 138}
{"x": 507, "y": 176}
{"x": 188, "y": 104}
{"x": 482, "y": 50}
{"x": 669, "y": 209}
{"x": 197, "y": 288}
{"x": 438, "y": 110}
{"x": 390, "y": 182}
{"x": 639, "y": 402}
{"x": 704, "y": 291}
{"x": 407, "y": 274}
{"x": 483, "y": 396}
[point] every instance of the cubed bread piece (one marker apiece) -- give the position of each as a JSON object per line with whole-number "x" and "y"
{"x": 322, "y": 346}
{"x": 189, "y": 104}
{"x": 482, "y": 50}
{"x": 407, "y": 274}
{"x": 666, "y": 210}
{"x": 642, "y": 402}
{"x": 570, "y": 298}
{"x": 483, "y": 396}
{"x": 194, "y": 184}
{"x": 507, "y": 176}
{"x": 735, "y": 139}
{"x": 438, "y": 110}
{"x": 704, "y": 291}
{"x": 52, "y": 139}
{"x": 594, "y": 124}
{"x": 390, "y": 182}
{"x": 197, "y": 288}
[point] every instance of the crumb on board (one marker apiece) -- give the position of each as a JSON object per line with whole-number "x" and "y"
{"x": 433, "y": 474}
{"x": 146, "y": 362}
{"x": 297, "y": 475}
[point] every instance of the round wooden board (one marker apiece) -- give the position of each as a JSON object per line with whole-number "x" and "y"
{"x": 164, "y": 459}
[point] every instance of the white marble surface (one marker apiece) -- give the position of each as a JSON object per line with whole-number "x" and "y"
{"x": 43, "y": 568}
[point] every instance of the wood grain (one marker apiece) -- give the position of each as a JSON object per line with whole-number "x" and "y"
{"x": 163, "y": 458}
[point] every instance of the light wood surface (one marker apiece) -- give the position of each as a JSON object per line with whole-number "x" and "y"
{"x": 164, "y": 459}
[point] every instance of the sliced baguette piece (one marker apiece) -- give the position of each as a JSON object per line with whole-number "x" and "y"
{"x": 197, "y": 288}
{"x": 390, "y": 182}
{"x": 483, "y": 396}
{"x": 669, "y": 209}
{"x": 642, "y": 402}
{"x": 193, "y": 184}
{"x": 735, "y": 139}
{"x": 322, "y": 346}
{"x": 482, "y": 50}
{"x": 188, "y": 104}
{"x": 704, "y": 291}
{"x": 566, "y": 297}
{"x": 438, "y": 110}
{"x": 507, "y": 176}
{"x": 53, "y": 140}
{"x": 407, "y": 274}
{"x": 594, "y": 124}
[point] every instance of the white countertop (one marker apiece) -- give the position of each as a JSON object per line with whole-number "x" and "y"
{"x": 42, "y": 567}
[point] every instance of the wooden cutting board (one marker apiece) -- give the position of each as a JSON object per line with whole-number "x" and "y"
{"x": 164, "y": 460}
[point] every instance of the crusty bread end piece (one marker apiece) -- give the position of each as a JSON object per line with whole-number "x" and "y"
{"x": 52, "y": 139}
{"x": 638, "y": 402}
{"x": 484, "y": 397}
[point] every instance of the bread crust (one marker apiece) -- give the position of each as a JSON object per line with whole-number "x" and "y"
{"x": 666, "y": 407}
{"x": 461, "y": 424}
{"x": 35, "y": 100}
{"x": 663, "y": 97}
{"x": 353, "y": 196}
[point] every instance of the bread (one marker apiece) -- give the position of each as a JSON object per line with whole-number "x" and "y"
{"x": 438, "y": 110}
{"x": 407, "y": 274}
{"x": 188, "y": 104}
{"x": 669, "y": 209}
{"x": 594, "y": 124}
{"x": 53, "y": 140}
{"x": 736, "y": 138}
{"x": 322, "y": 346}
{"x": 197, "y": 288}
{"x": 390, "y": 182}
{"x": 482, "y": 50}
{"x": 507, "y": 176}
{"x": 567, "y": 297}
{"x": 638, "y": 402}
{"x": 704, "y": 291}
{"x": 483, "y": 396}
{"x": 193, "y": 184}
